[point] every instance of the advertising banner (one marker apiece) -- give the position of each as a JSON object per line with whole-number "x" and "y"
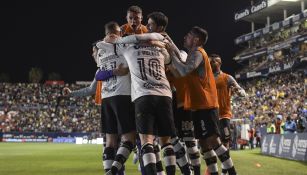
{"x": 289, "y": 146}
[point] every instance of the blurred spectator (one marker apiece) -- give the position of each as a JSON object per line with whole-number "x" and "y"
{"x": 290, "y": 126}
{"x": 302, "y": 124}
{"x": 251, "y": 134}
{"x": 279, "y": 125}
{"x": 271, "y": 127}
{"x": 258, "y": 135}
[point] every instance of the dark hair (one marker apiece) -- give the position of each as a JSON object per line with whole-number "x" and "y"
{"x": 214, "y": 55}
{"x": 111, "y": 27}
{"x": 134, "y": 9}
{"x": 201, "y": 33}
{"x": 159, "y": 18}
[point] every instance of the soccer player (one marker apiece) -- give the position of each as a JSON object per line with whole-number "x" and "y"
{"x": 184, "y": 123}
{"x": 134, "y": 26}
{"x": 116, "y": 106}
{"x": 93, "y": 88}
{"x": 156, "y": 23}
{"x": 201, "y": 98}
{"x": 151, "y": 94}
{"x": 134, "y": 22}
{"x": 225, "y": 85}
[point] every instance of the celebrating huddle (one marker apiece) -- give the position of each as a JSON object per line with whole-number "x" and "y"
{"x": 154, "y": 94}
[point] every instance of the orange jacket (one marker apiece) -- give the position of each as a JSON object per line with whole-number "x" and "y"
{"x": 179, "y": 84}
{"x": 224, "y": 95}
{"x": 201, "y": 92}
{"x": 126, "y": 29}
{"x": 98, "y": 99}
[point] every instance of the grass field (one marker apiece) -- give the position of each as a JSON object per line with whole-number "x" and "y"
{"x": 71, "y": 159}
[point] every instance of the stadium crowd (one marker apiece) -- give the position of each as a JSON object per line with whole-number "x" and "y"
{"x": 274, "y": 103}
{"x": 287, "y": 54}
{"x": 274, "y": 38}
{"x": 32, "y": 108}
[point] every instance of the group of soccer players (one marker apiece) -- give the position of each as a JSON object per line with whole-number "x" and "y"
{"x": 155, "y": 94}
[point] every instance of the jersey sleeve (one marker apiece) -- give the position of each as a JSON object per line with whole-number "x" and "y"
{"x": 90, "y": 90}
{"x": 111, "y": 48}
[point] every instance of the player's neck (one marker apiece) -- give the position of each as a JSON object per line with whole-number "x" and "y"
{"x": 192, "y": 49}
{"x": 136, "y": 28}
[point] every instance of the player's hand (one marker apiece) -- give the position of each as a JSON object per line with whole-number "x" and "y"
{"x": 121, "y": 70}
{"x": 66, "y": 91}
{"x": 110, "y": 38}
{"x": 157, "y": 43}
{"x": 243, "y": 93}
{"x": 167, "y": 44}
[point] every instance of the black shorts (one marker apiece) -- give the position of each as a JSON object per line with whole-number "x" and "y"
{"x": 184, "y": 123}
{"x": 102, "y": 118}
{"x": 224, "y": 124}
{"x": 118, "y": 113}
{"x": 205, "y": 123}
{"x": 154, "y": 115}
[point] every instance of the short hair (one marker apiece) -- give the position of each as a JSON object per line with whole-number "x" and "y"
{"x": 159, "y": 18}
{"x": 111, "y": 27}
{"x": 201, "y": 33}
{"x": 214, "y": 55}
{"x": 134, "y": 9}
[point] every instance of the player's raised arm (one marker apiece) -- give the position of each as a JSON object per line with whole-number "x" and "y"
{"x": 173, "y": 49}
{"x": 234, "y": 86}
{"x": 90, "y": 90}
{"x": 189, "y": 65}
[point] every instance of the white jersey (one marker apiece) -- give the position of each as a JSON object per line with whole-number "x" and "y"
{"x": 116, "y": 85}
{"x": 101, "y": 54}
{"x": 147, "y": 70}
{"x": 146, "y": 65}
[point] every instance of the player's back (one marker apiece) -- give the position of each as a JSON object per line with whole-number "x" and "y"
{"x": 146, "y": 65}
{"x": 116, "y": 85}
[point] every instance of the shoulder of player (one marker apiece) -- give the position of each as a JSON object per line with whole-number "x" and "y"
{"x": 196, "y": 54}
{"x": 124, "y": 26}
{"x": 144, "y": 28}
{"x": 225, "y": 74}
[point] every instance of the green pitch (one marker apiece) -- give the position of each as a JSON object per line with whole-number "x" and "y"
{"x": 71, "y": 159}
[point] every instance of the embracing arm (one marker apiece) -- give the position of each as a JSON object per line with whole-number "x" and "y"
{"x": 193, "y": 62}
{"x": 131, "y": 39}
{"x": 90, "y": 90}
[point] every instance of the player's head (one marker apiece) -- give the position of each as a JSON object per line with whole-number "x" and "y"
{"x": 215, "y": 62}
{"x": 112, "y": 31}
{"x": 157, "y": 22}
{"x": 134, "y": 16}
{"x": 196, "y": 37}
{"x": 112, "y": 28}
